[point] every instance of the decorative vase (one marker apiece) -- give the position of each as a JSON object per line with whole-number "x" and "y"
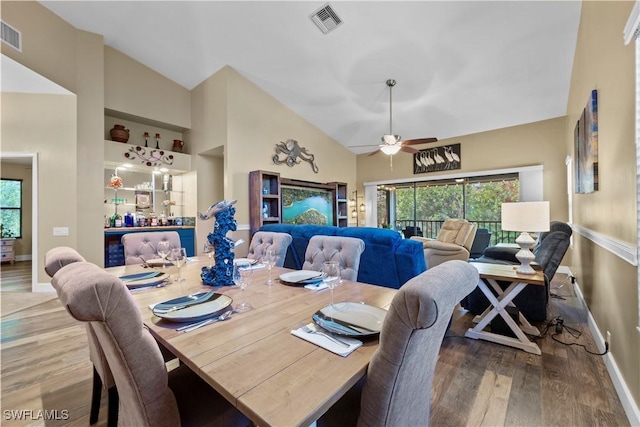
{"x": 119, "y": 133}
{"x": 177, "y": 145}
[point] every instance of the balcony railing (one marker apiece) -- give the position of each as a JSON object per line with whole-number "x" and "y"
{"x": 431, "y": 228}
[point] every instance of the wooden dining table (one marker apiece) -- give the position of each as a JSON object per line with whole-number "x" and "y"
{"x": 252, "y": 359}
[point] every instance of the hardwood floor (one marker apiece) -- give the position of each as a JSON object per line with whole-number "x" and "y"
{"x": 45, "y": 366}
{"x": 16, "y": 277}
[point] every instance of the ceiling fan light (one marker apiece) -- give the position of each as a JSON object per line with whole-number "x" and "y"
{"x": 390, "y": 139}
{"x": 390, "y": 149}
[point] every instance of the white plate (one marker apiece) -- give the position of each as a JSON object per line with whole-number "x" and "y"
{"x": 210, "y": 307}
{"x": 357, "y": 320}
{"x": 301, "y": 277}
{"x": 250, "y": 261}
{"x": 132, "y": 283}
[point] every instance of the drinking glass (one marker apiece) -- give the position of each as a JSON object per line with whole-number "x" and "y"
{"x": 332, "y": 271}
{"x": 269, "y": 260}
{"x": 179, "y": 258}
{"x": 242, "y": 277}
{"x": 208, "y": 249}
{"x": 163, "y": 249}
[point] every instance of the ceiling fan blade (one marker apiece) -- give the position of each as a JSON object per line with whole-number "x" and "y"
{"x": 375, "y": 152}
{"x": 419, "y": 141}
{"x": 408, "y": 149}
{"x": 368, "y": 145}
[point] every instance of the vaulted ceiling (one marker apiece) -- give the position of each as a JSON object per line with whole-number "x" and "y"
{"x": 461, "y": 66}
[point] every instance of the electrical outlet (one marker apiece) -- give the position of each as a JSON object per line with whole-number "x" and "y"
{"x": 609, "y": 339}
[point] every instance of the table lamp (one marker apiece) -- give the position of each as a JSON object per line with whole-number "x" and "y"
{"x": 525, "y": 217}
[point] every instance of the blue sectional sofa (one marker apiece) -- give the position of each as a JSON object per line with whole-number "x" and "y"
{"x": 388, "y": 259}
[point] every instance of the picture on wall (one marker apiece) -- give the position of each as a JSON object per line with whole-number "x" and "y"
{"x": 302, "y": 205}
{"x": 437, "y": 159}
{"x": 586, "y": 147}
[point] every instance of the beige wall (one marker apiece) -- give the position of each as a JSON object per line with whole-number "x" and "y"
{"x": 133, "y": 88}
{"x": 49, "y": 43}
{"x": 234, "y": 116}
{"x": 540, "y": 143}
{"x": 46, "y": 124}
{"x": 22, "y": 246}
{"x": 608, "y": 283}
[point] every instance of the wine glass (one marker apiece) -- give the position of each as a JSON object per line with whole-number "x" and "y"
{"x": 163, "y": 249}
{"x": 179, "y": 258}
{"x": 269, "y": 259}
{"x": 332, "y": 271}
{"x": 241, "y": 277}
{"x": 208, "y": 249}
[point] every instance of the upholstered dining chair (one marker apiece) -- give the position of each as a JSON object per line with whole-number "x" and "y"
{"x": 263, "y": 240}
{"x": 141, "y": 247}
{"x": 397, "y": 388}
{"x": 149, "y": 396}
{"x": 54, "y": 260}
{"x": 454, "y": 241}
{"x": 345, "y": 250}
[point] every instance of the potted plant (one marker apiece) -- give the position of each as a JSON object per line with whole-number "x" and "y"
{"x": 5, "y": 234}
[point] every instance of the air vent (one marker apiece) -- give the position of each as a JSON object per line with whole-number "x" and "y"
{"x": 326, "y": 19}
{"x": 11, "y": 36}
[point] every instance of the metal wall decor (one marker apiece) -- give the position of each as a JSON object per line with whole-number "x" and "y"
{"x": 446, "y": 157}
{"x": 293, "y": 154}
{"x": 154, "y": 158}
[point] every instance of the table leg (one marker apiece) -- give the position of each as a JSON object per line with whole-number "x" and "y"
{"x": 498, "y": 305}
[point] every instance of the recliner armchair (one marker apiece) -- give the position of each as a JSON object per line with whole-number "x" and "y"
{"x": 532, "y": 301}
{"x": 454, "y": 241}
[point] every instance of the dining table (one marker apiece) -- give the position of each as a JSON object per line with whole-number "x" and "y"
{"x": 252, "y": 358}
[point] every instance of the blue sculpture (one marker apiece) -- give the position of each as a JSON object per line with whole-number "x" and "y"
{"x": 221, "y": 274}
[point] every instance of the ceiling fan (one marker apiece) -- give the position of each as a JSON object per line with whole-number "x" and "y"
{"x": 392, "y": 144}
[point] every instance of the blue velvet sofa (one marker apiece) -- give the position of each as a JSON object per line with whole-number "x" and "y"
{"x": 388, "y": 259}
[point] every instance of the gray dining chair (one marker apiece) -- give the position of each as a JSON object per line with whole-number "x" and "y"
{"x": 149, "y": 396}
{"x": 141, "y": 247}
{"x": 397, "y": 388}
{"x": 345, "y": 250}
{"x": 263, "y": 240}
{"x": 54, "y": 260}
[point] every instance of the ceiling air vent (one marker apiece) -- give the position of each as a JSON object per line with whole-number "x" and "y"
{"x": 11, "y": 36}
{"x": 326, "y": 19}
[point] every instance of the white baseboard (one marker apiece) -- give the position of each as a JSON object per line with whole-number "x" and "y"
{"x": 624, "y": 394}
{"x": 42, "y": 287}
{"x": 24, "y": 257}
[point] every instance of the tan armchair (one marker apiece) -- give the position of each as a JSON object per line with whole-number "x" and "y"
{"x": 454, "y": 242}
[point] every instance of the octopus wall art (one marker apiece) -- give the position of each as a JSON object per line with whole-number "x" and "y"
{"x": 293, "y": 153}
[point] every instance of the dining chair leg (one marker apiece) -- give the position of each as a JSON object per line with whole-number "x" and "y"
{"x": 95, "y": 397}
{"x": 112, "y": 412}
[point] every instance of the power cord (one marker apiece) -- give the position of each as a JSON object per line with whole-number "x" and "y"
{"x": 558, "y": 326}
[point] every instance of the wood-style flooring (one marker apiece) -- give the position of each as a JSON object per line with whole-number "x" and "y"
{"x": 45, "y": 365}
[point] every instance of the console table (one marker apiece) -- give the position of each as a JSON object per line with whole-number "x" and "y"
{"x": 492, "y": 273}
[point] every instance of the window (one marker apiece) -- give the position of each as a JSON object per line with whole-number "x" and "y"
{"x": 426, "y": 205}
{"x": 11, "y": 207}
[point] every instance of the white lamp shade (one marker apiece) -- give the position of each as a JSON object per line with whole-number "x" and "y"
{"x": 390, "y": 149}
{"x": 525, "y": 216}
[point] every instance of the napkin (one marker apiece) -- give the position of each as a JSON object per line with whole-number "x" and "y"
{"x": 326, "y": 343}
{"x": 317, "y": 286}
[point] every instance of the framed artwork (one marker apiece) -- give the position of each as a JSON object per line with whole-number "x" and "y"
{"x": 302, "y": 205}
{"x": 435, "y": 159}
{"x": 143, "y": 200}
{"x": 586, "y": 147}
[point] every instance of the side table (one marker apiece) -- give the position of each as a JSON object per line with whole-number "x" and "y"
{"x": 7, "y": 252}
{"x": 492, "y": 273}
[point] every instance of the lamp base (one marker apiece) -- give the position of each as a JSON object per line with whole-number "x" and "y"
{"x": 524, "y": 255}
